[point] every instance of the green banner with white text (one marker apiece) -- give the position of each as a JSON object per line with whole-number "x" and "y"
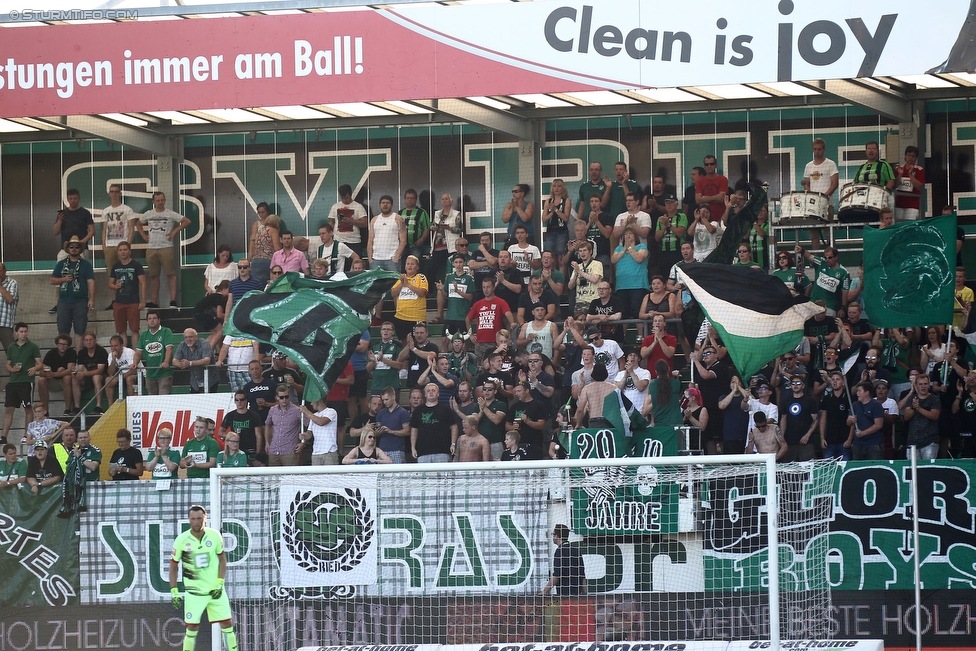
{"x": 38, "y": 551}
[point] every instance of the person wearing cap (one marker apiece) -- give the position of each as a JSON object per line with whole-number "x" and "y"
{"x": 280, "y": 373}
{"x": 836, "y": 436}
{"x": 800, "y": 416}
{"x": 43, "y": 468}
{"x": 606, "y": 351}
{"x": 75, "y": 279}
{"x": 761, "y": 404}
{"x": 670, "y": 232}
{"x": 765, "y": 438}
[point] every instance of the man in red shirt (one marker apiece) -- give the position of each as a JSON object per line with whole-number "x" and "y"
{"x": 338, "y": 399}
{"x": 909, "y": 181}
{"x": 487, "y": 316}
{"x": 712, "y": 188}
{"x": 658, "y": 345}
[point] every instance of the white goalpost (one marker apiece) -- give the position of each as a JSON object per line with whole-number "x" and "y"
{"x": 673, "y": 551}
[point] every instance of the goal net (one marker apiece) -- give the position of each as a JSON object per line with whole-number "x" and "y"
{"x": 655, "y": 549}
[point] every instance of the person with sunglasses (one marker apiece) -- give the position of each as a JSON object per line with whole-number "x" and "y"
{"x": 75, "y": 279}
{"x": 761, "y": 403}
{"x": 712, "y": 188}
{"x": 800, "y": 420}
{"x": 743, "y": 257}
{"x": 367, "y": 451}
{"x": 832, "y": 282}
{"x": 794, "y": 279}
{"x": 283, "y": 428}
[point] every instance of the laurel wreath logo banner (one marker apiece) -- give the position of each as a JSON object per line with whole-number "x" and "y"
{"x": 328, "y": 536}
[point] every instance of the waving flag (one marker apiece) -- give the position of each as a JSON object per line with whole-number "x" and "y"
{"x": 317, "y": 323}
{"x": 755, "y": 314}
{"x": 909, "y": 273}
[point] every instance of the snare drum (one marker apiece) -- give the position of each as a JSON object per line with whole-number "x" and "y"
{"x": 805, "y": 205}
{"x": 865, "y": 196}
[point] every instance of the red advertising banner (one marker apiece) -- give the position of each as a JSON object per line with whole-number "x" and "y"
{"x": 316, "y": 58}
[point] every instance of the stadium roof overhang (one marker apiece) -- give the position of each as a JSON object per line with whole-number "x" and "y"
{"x": 522, "y": 115}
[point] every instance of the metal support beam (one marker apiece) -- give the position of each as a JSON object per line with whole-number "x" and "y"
{"x": 124, "y": 134}
{"x": 493, "y": 119}
{"x": 890, "y": 104}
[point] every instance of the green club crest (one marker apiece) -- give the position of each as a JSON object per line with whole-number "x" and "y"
{"x": 328, "y": 531}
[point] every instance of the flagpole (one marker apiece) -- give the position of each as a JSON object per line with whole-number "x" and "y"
{"x": 945, "y": 355}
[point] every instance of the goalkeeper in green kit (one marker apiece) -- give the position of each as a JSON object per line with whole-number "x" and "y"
{"x": 201, "y": 550}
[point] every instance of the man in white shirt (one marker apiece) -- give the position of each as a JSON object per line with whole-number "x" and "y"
{"x": 820, "y": 175}
{"x": 117, "y": 227}
{"x": 120, "y": 360}
{"x": 322, "y": 425}
{"x": 335, "y": 252}
{"x": 527, "y": 257}
{"x": 160, "y": 227}
{"x": 633, "y": 217}
{"x": 348, "y": 217}
{"x": 237, "y": 353}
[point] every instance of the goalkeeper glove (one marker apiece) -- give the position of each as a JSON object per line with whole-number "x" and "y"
{"x": 219, "y": 590}
{"x": 177, "y": 598}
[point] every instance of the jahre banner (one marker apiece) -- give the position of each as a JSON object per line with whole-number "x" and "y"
{"x": 435, "y": 51}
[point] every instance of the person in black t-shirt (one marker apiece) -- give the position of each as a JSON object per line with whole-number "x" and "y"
{"x": 417, "y": 350}
{"x": 58, "y": 364}
{"x": 513, "y": 451}
{"x": 433, "y": 429}
{"x": 531, "y": 416}
{"x": 126, "y": 462}
{"x": 260, "y": 391}
{"x": 279, "y": 373}
{"x": 247, "y": 423}
{"x": 89, "y": 371}
{"x": 43, "y": 468}
{"x": 568, "y": 572}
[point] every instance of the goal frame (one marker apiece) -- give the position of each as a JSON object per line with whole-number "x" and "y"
{"x": 766, "y": 460}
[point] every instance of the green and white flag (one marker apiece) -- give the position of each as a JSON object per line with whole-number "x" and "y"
{"x": 317, "y": 323}
{"x": 754, "y": 313}
{"x": 909, "y": 273}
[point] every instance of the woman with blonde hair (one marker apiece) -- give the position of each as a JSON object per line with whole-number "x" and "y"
{"x": 556, "y": 214}
{"x": 264, "y": 242}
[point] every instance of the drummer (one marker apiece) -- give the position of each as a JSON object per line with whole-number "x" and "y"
{"x": 876, "y": 172}
{"x": 910, "y": 178}
{"x": 820, "y": 175}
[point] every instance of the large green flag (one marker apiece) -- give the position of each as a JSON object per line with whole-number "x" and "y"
{"x": 40, "y": 564}
{"x": 316, "y": 322}
{"x": 909, "y": 273}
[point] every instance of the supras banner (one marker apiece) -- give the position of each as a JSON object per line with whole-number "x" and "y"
{"x": 457, "y": 51}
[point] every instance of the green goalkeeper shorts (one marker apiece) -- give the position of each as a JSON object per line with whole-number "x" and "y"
{"x": 217, "y": 609}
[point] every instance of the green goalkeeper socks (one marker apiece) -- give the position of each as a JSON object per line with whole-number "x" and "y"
{"x": 230, "y": 640}
{"x": 190, "y": 640}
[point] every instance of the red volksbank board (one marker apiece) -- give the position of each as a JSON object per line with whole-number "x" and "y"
{"x": 429, "y": 52}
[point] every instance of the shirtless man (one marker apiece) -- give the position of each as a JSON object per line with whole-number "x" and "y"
{"x": 471, "y": 445}
{"x": 766, "y": 438}
{"x": 591, "y": 398}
